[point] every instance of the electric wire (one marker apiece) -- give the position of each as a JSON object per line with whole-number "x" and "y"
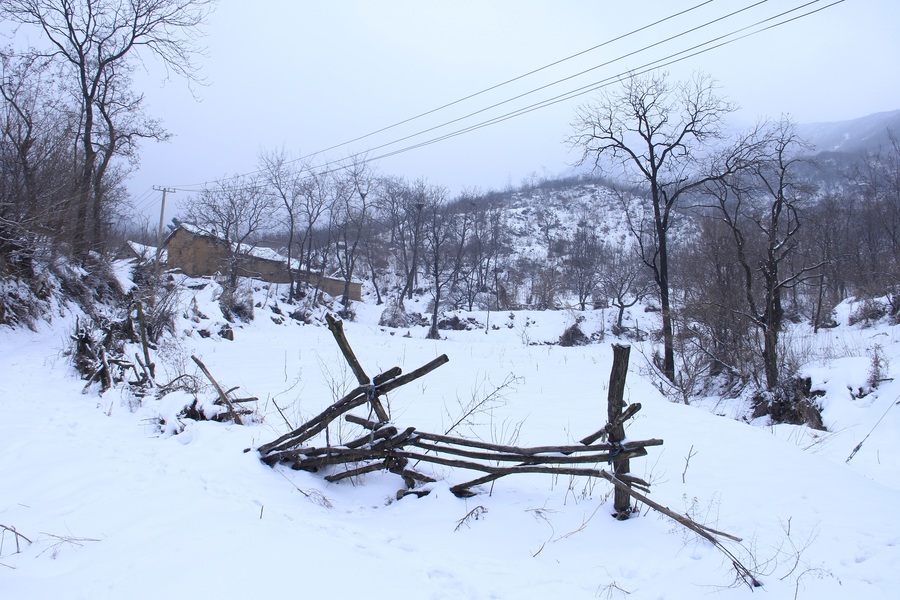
{"x": 186, "y": 187}
{"x": 511, "y": 80}
{"x": 324, "y": 168}
{"x": 564, "y": 79}
{"x": 647, "y": 67}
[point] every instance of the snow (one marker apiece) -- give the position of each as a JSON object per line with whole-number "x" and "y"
{"x": 118, "y": 507}
{"x": 121, "y": 270}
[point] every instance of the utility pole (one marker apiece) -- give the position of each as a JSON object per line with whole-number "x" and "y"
{"x": 162, "y": 212}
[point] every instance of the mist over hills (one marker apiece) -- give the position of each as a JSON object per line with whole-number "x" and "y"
{"x": 856, "y": 136}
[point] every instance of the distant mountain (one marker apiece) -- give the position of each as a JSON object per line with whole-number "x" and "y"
{"x": 836, "y": 149}
{"x": 856, "y": 136}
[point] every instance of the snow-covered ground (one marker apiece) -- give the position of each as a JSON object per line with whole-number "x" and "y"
{"x": 116, "y": 508}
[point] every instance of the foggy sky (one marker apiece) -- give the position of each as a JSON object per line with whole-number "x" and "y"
{"x": 306, "y": 76}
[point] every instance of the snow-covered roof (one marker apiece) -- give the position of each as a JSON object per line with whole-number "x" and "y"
{"x": 145, "y": 251}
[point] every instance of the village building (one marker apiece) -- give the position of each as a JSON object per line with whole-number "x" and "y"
{"x": 198, "y": 253}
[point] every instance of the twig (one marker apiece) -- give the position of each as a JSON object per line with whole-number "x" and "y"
{"x": 315, "y": 495}
{"x": 16, "y": 535}
{"x": 281, "y": 412}
{"x": 64, "y": 539}
{"x": 472, "y": 515}
{"x": 859, "y": 445}
{"x": 687, "y": 461}
{"x": 222, "y": 395}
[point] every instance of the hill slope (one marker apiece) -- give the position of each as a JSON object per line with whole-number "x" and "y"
{"x": 116, "y": 507}
{"x": 856, "y": 136}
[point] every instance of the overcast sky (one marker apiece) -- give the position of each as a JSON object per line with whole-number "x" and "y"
{"x": 307, "y": 75}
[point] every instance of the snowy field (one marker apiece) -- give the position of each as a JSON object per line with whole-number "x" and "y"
{"x": 117, "y": 507}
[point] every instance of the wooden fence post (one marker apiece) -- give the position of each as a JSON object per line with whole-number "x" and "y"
{"x": 615, "y": 400}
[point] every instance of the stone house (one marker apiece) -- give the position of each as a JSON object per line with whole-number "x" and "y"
{"x": 198, "y": 253}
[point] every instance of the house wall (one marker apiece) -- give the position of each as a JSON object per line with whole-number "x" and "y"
{"x": 260, "y": 268}
{"x": 196, "y": 256}
{"x": 332, "y": 287}
{"x": 200, "y": 256}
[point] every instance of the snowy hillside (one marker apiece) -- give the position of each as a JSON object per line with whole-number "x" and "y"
{"x": 101, "y": 501}
{"x": 865, "y": 134}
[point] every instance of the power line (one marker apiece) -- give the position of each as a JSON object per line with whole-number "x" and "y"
{"x": 501, "y": 84}
{"x": 512, "y": 80}
{"x": 564, "y": 79}
{"x": 145, "y": 200}
{"x": 647, "y": 67}
{"x": 652, "y": 65}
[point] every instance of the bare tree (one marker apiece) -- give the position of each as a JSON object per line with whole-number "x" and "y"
{"x": 35, "y": 129}
{"x": 402, "y": 212}
{"x": 439, "y": 238}
{"x": 876, "y": 181}
{"x": 623, "y": 279}
{"x": 403, "y": 203}
{"x": 716, "y": 334}
{"x": 482, "y": 254}
{"x": 235, "y": 210}
{"x": 655, "y": 133}
{"x": 762, "y": 204}
{"x": 352, "y": 222}
{"x": 95, "y": 42}
{"x": 831, "y": 240}
{"x": 582, "y": 262}
{"x": 121, "y": 125}
{"x": 286, "y": 182}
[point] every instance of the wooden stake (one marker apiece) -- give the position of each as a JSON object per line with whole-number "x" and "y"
{"x": 615, "y": 403}
{"x": 149, "y": 366}
{"x": 337, "y": 330}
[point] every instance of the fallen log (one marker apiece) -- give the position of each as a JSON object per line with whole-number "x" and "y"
{"x": 316, "y": 457}
{"x": 382, "y": 433}
{"x": 356, "y": 397}
{"x": 372, "y": 425}
{"x": 414, "y": 476}
{"x": 425, "y": 369}
{"x": 358, "y": 471}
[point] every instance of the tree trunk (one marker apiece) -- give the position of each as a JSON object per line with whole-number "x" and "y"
{"x": 770, "y": 356}
{"x": 433, "y": 333}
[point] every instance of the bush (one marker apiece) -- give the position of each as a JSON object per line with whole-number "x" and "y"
{"x": 574, "y": 336}
{"x": 867, "y": 312}
{"x": 237, "y": 305}
{"x": 394, "y": 315}
{"x": 792, "y": 402}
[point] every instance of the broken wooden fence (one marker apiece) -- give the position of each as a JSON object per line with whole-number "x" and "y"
{"x": 386, "y": 447}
